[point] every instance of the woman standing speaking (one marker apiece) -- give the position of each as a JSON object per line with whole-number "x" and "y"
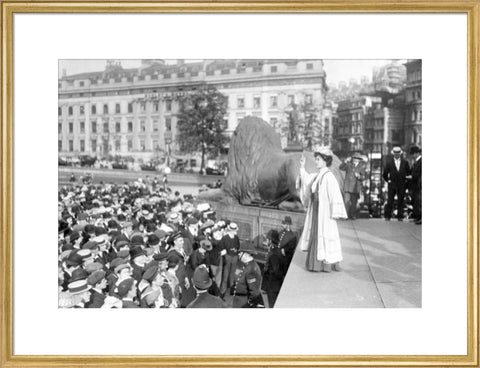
{"x": 320, "y": 194}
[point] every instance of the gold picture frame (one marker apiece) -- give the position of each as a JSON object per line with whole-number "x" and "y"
{"x": 9, "y": 8}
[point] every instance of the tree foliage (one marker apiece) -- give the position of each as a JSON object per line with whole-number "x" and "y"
{"x": 201, "y": 124}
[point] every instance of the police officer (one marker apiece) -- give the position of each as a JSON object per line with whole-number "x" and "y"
{"x": 247, "y": 292}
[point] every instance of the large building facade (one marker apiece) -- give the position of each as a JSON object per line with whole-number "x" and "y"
{"x": 413, "y": 103}
{"x": 133, "y": 112}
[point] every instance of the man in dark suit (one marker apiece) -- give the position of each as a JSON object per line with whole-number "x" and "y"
{"x": 416, "y": 184}
{"x": 395, "y": 174}
{"x": 352, "y": 184}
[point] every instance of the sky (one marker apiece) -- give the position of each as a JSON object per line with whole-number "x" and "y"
{"x": 337, "y": 70}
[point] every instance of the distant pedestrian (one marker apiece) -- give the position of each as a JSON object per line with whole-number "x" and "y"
{"x": 395, "y": 174}
{"x": 352, "y": 185}
{"x": 416, "y": 184}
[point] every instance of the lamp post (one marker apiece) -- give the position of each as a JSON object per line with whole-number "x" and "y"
{"x": 352, "y": 142}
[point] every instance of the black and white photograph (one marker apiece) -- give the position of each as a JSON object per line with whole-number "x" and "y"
{"x": 240, "y": 183}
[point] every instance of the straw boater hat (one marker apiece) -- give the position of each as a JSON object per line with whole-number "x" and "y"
{"x": 397, "y": 150}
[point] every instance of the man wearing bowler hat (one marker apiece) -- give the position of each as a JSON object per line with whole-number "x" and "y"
{"x": 352, "y": 184}
{"x": 395, "y": 174}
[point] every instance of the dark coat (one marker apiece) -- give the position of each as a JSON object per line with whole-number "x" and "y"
{"x": 417, "y": 175}
{"x": 96, "y": 300}
{"x": 352, "y": 184}
{"x": 207, "y": 300}
{"x": 249, "y": 280}
{"x": 288, "y": 242}
{"x": 396, "y": 178}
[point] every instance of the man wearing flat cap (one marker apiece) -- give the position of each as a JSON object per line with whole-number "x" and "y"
{"x": 395, "y": 174}
{"x": 352, "y": 184}
{"x": 98, "y": 282}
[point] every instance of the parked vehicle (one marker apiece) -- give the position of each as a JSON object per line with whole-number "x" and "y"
{"x": 86, "y": 160}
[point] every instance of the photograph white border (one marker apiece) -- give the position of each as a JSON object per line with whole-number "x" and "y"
{"x": 42, "y": 39}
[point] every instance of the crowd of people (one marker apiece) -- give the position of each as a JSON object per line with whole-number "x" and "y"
{"x": 134, "y": 246}
{"x": 399, "y": 175}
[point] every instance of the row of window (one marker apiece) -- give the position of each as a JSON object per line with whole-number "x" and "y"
{"x": 117, "y": 108}
{"x": 273, "y": 69}
{"x": 353, "y": 129}
{"x": 414, "y": 76}
{"x": 117, "y": 128}
{"x": 106, "y": 146}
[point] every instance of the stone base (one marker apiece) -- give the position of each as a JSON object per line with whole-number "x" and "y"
{"x": 255, "y": 222}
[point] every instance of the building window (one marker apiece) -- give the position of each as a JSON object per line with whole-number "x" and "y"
{"x": 273, "y": 101}
{"x": 117, "y": 108}
{"x": 59, "y": 128}
{"x": 130, "y": 107}
{"x": 82, "y": 83}
{"x": 94, "y": 109}
{"x": 142, "y": 145}
{"x": 70, "y": 128}
{"x": 273, "y": 69}
{"x": 105, "y": 128}
{"x": 256, "y": 102}
{"x": 308, "y": 99}
{"x": 117, "y": 145}
{"x": 117, "y": 127}
{"x": 155, "y": 126}
{"x": 240, "y": 102}
{"x": 59, "y": 111}
{"x": 82, "y": 127}
{"x": 130, "y": 145}
{"x": 273, "y": 122}
{"x": 169, "y": 105}
{"x": 142, "y": 126}
{"x": 94, "y": 145}
{"x": 105, "y": 109}
{"x": 70, "y": 145}
{"x": 59, "y": 145}
{"x": 168, "y": 124}
{"x": 70, "y": 110}
{"x": 130, "y": 127}
{"x": 82, "y": 145}
{"x": 291, "y": 99}
{"x": 142, "y": 107}
{"x": 155, "y": 107}
{"x": 82, "y": 110}
{"x": 94, "y": 127}
{"x": 155, "y": 145}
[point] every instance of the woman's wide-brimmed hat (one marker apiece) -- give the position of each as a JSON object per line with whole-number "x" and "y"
{"x": 323, "y": 150}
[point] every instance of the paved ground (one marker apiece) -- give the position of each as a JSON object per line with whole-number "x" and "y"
{"x": 382, "y": 268}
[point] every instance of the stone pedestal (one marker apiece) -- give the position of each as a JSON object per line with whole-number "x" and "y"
{"x": 255, "y": 222}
